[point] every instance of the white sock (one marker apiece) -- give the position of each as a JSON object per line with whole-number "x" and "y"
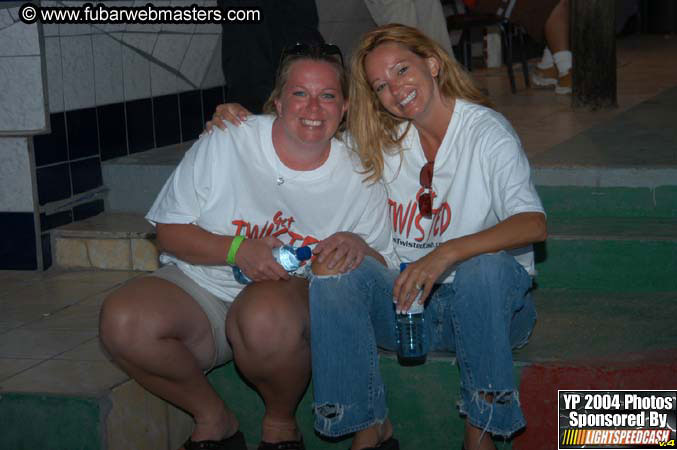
{"x": 562, "y": 61}
{"x": 546, "y": 61}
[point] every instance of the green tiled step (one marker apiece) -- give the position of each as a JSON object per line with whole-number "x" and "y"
{"x": 421, "y": 401}
{"x": 609, "y": 253}
{"x": 123, "y": 417}
{"x": 573, "y": 325}
{"x": 587, "y": 201}
{"x": 604, "y": 253}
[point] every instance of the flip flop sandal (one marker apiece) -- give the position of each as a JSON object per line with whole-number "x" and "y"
{"x": 284, "y": 445}
{"x": 234, "y": 442}
{"x": 389, "y": 444}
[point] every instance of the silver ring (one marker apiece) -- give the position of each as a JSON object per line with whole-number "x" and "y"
{"x": 418, "y": 287}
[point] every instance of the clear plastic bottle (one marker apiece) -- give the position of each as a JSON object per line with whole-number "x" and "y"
{"x": 287, "y": 256}
{"x": 411, "y": 348}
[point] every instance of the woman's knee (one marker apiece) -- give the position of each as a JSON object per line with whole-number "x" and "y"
{"x": 485, "y": 270}
{"x": 266, "y": 322}
{"x": 118, "y": 322}
{"x": 131, "y": 315}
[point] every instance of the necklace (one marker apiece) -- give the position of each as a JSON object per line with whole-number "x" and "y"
{"x": 280, "y": 180}
{"x": 279, "y": 164}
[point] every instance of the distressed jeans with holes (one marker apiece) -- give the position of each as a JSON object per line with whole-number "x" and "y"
{"x": 481, "y": 316}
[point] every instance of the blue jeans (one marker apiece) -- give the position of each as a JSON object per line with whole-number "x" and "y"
{"x": 481, "y": 316}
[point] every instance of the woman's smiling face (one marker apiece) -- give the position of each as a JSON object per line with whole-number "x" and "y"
{"x": 403, "y": 81}
{"x": 311, "y": 104}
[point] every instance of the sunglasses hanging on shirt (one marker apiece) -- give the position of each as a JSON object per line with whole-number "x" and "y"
{"x": 425, "y": 200}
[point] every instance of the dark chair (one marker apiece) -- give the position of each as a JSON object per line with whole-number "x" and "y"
{"x": 467, "y": 21}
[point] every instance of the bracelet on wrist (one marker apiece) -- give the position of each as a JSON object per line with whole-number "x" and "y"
{"x": 234, "y": 247}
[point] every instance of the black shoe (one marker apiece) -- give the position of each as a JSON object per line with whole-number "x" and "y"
{"x": 234, "y": 442}
{"x": 389, "y": 444}
{"x": 284, "y": 445}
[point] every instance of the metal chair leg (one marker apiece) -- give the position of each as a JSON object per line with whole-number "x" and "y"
{"x": 523, "y": 54}
{"x": 467, "y": 49}
{"x": 507, "y": 52}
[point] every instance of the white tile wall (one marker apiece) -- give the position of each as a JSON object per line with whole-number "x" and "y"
{"x": 49, "y": 29}
{"x": 198, "y": 57}
{"x": 171, "y": 49}
{"x": 54, "y": 74}
{"x": 5, "y": 18}
{"x": 214, "y": 76}
{"x": 143, "y": 42}
{"x": 135, "y": 64}
{"x": 22, "y": 101}
{"x": 112, "y": 27}
{"x": 14, "y": 13}
{"x": 74, "y": 29}
{"x": 19, "y": 39}
{"x": 136, "y": 74}
{"x": 77, "y": 59}
{"x": 108, "y": 80}
{"x": 89, "y": 66}
{"x": 181, "y": 27}
{"x": 162, "y": 81}
{"x": 143, "y": 27}
{"x": 16, "y": 194}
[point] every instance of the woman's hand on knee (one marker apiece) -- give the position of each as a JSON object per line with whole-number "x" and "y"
{"x": 339, "y": 253}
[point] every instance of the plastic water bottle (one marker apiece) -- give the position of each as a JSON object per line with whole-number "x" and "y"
{"x": 411, "y": 349}
{"x": 287, "y": 256}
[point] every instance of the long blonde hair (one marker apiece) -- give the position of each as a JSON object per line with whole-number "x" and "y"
{"x": 373, "y": 128}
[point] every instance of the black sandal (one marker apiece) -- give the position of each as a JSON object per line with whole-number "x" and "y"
{"x": 284, "y": 445}
{"x": 389, "y": 444}
{"x": 234, "y": 442}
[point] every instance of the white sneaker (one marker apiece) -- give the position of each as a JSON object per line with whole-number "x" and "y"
{"x": 545, "y": 77}
{"x": 564, "y": 84}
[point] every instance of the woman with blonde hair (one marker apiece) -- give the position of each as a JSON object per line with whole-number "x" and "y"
{"x": 464, "y": 214}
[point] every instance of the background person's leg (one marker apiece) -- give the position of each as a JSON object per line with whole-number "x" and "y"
{"x": 268, "y": 328}
{"x": 431, "y": 20}
{"x": 392, "y": 11}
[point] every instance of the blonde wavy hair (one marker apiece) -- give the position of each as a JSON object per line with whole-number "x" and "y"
{"x": 373, "y": 128}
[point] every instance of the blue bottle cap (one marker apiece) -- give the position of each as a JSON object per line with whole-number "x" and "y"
{"x": 303, "y": 253}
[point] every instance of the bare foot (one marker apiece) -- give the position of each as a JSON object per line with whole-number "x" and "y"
{"x": 475, "y": 439}
{"x": 215, "y": 427}
{"x": 373, "y": 436}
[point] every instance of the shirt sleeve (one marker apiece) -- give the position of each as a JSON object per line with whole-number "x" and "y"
{"x": 508, "y": 176}
{"x": 187, "y": 190}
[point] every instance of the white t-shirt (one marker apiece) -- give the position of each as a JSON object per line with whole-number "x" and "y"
{"x": 481, "y": 177}
{"x": 227, "y": 184}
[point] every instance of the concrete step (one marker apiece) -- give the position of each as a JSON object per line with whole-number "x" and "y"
{"x": 116, "y": 241}
{"x": 609, "y": 253}
{"x": 625, "y": 191}
{"x": 135, "y": 180}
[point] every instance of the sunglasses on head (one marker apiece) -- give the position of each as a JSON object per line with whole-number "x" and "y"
{"x": 425, "y": 200}
{"x": 314, "y": 49}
